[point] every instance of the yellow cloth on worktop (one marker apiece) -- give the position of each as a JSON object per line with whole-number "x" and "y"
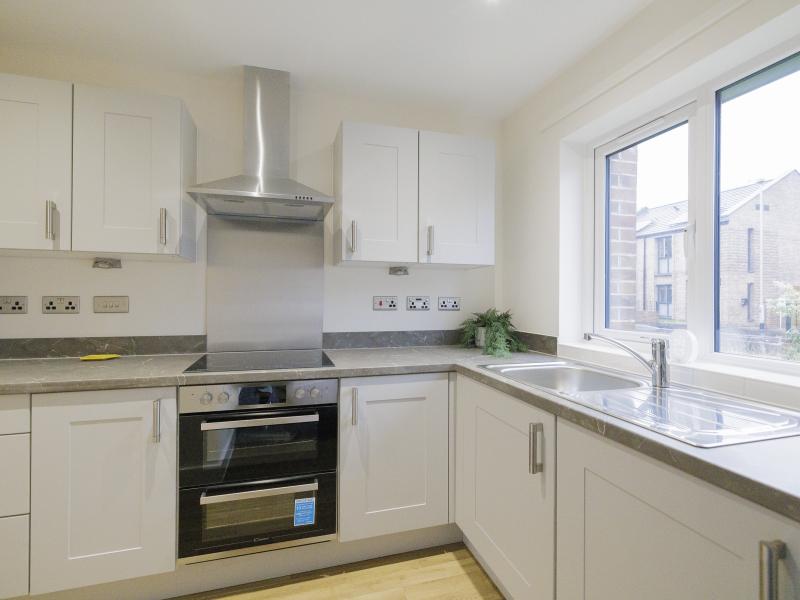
{"x": 99, "y": 356}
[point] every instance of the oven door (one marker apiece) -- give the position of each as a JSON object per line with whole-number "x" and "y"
{"x": 230, "y": 518}
{"x": 239, "y": 446}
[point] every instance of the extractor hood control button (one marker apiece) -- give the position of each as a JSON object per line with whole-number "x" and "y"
{"x": 315, "y": 392}
{"x": 223, "y": 397}
{"x": 300, "y": 393}
{"x": 206, "y": 398}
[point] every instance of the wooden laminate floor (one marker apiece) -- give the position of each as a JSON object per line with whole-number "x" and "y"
{"x": 446, "y": 573}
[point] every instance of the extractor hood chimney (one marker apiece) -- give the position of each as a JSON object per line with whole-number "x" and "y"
{"x": 264, "y": 190}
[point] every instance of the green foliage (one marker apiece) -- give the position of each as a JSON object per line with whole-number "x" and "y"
{"x": 788, "y": 303}
{"x": 501, "y": 338}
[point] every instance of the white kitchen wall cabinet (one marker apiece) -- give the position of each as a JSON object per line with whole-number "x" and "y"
{"x": 376, "y": 191}
{"x": 456, "y": 199}
{"x": 409, "y": 196}
{"x": 35, "y": 163}
{"x": 630, "y": 527}
{"x": 14, "y": 556}
{"x": 505, "y": 487}
{"x": 103, "y": 487}
{"x": 393, "y": 456}
{"x": 133, "y": 157}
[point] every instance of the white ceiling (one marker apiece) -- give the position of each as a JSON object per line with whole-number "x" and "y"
{"x": 484, "y": 56}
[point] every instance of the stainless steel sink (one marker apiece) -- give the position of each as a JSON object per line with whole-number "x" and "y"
{"x": 696, "y": 417}
{"x": 564, "y": 378}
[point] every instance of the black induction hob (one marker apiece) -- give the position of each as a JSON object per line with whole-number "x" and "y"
{"x": 260, "y": 360}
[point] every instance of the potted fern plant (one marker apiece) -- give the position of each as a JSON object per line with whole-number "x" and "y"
{"x": 493, "y": 331}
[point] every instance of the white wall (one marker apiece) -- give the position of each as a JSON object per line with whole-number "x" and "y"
{"x": 167, "y": 298}
{"x": 665, "y": 50}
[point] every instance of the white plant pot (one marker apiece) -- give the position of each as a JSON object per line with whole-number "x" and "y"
{"x": 480, "y": 337}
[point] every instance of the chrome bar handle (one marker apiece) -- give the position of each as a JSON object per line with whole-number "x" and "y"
{"x": 49, "y": 214}
{"x": 162, "y": 226}
{"x": 266, "y": 422}
{"x": 769, "y": 553}
{"x": 353, "y": 236}
{"x": 354, "y": 406}
{"x": 265, "y": 493}
{"x": 430, "y": 240}
{"x": 156, "y": 421}
{"x": 535, "y": 465}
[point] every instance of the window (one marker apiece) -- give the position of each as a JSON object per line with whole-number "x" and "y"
{"x": 664, "y": 301}
{"x": 697, "y": 222}
{"x": 644, "y": 197}
{"x": 664, "y": 245}
{"x": 758, "y": 198}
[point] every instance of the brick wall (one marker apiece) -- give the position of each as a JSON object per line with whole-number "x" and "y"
{"x": 622, "y": 257}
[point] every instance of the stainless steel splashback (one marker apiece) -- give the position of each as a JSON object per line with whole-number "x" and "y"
{"x": 264, "y": 285}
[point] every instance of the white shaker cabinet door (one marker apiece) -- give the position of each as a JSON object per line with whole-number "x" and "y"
{"x": 456, "y": 199}
{"x": 127, "y": 187}
{"x": 103, "y": 487}
{"x": 393, "y": 456}
{"x": 630, "y": 527}
{"x": 14, "y": 556}
{"x": 376, "y": 193}
{"x": 35, "y": 163}
{"x": 506, "y": 487}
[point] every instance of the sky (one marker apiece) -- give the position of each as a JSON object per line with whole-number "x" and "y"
{"x": 760, "y": 139}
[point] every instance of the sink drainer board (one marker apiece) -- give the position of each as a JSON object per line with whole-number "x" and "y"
{"x": 699, "y": 418}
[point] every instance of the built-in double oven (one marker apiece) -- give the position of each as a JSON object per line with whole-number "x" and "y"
{"x": 257, "y": 467}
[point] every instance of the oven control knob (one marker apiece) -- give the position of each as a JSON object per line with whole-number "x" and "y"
{"x": 314, "y": 393}
{"x": 223, "y": 397}
{"x": 300, "y": 393}
{"x": 206, "y": 398}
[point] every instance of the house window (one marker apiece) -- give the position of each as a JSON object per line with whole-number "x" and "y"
{"x": 664, "y": 301}
{"x": 758, "y": 183}
{"x": 664, "y": 247}
{"x": 644, "y": 199}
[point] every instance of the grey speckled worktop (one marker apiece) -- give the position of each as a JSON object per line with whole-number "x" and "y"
{"x": 762, "y": 472}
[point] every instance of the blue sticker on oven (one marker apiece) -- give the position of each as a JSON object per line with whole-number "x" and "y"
{"x": 304, "y": 509}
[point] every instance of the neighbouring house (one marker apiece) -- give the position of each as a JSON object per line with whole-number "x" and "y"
{"x": 759, "y": 234}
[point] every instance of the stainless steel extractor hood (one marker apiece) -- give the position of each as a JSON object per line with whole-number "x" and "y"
{"x": 264, "y": 190}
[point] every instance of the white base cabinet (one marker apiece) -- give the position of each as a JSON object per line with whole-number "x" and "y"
{"x": 630, "y": 527}
{"x": 393, "y": 454}
{"x": 14, "y": 556}
{"x": 504, "y": 507}
{"x": 103, "y": 487}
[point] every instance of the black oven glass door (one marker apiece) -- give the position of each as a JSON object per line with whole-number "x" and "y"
{"x": 234, "y": 516}
{"x": 244, "y": 445}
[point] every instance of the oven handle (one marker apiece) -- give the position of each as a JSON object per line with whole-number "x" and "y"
{"x": 277, "y": 491}
{"x": 242, "y": 423}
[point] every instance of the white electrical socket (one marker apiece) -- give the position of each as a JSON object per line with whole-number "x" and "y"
{"x": 449, "y": 303}
{"x": 418, "y": 302}
{"x": 384, "y": 303}
{"x": 13, "y": 305}
{"x": 61, "y": 304}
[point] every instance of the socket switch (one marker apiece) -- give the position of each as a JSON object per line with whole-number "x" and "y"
{"x": 449, "y": 303}
{"x": 61, "y": 304}
{"x": 13, "y": 305}
{"x": 418, "y": 302}
{"x": 384, "y": 303}
{"x": 111, "y": 304}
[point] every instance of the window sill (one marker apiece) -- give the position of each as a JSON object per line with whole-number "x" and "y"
{"x": 750, "y": 383}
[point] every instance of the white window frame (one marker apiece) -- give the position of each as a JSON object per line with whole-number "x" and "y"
{"x": 699, "y": 109}
{"x": 674, "y": 118}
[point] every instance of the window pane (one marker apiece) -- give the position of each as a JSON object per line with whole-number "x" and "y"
{"x": 758, "y": 254}
{"x": 646, "y": 207}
